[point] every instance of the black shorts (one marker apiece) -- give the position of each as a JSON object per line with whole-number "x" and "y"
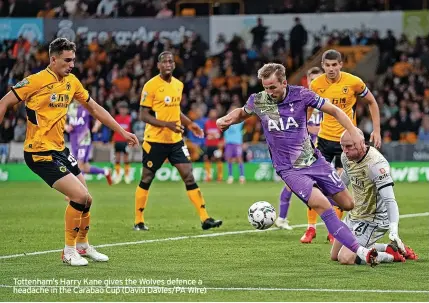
{"x": 210, "y": 150}
{"x": 331, "y": 150}
{"x": 154, "y": 154}
{"x": 121, "y": 147}
{"x": 52, "y": 165}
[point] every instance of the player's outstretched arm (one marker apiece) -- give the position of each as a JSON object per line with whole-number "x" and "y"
{"x": 101, "y": 114}
{"x": 148, "y": 118}
{"x": 7, "y": 101}
{"x": 375, "y": 116}
{"x": 345, "y": 121}
{"x": 236, "y": 116}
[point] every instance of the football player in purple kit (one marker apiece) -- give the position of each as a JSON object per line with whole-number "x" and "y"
{"x": 313, "y": 126}
{"x": 79, "y": 127}
{"x": 282, "y": 110}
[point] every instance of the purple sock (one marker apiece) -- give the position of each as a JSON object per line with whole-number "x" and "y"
{"x": 284, "y": 202}
{"x": 229, "y": 169}
{"x": 241, "y": 169}
{"x": 95, "y": 170}
{"x": 339, "y": 230}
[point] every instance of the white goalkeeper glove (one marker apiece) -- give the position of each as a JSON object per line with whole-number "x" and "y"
{"x": 394, "y": 237}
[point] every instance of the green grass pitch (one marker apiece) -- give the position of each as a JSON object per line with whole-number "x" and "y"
{"x": 228, "y": 266}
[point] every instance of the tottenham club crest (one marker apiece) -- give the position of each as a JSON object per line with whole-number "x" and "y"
{"x": 167, "y": 99}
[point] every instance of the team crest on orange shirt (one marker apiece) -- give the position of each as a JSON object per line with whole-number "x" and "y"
{"x": 167, "y": 99}
{"x": 345, "y": 89}
{"x": 149, "y": 164}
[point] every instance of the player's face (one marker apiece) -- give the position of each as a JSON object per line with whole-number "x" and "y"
{"x": 312, "y": 77}
{"x": 274, "y": 88}
{"x": 332, "y": 68}
{"x": 166, "y": 65}
{"x": 350, "y": 150}
{"x": 64, "y": 63}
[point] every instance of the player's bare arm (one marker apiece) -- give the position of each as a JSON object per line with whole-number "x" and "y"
{"x": 375, "y": 115}
{"x": 236, "y": 116}
{"x": 345, "y": 121}
{"x": 97, "y": 126}
{"x": 192, "y": 126}
{"x": 7, "y": 101}
{"x": 147, "y": 117}
{"x": 104, "y": 117}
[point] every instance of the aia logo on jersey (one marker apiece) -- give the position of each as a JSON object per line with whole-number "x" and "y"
{"x": 76, "y": 121}
{"x": 345, "y": 89}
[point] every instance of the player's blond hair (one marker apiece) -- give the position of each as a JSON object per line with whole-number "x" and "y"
{"x": 272, "y": 68}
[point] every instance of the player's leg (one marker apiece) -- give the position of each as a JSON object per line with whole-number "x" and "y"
{"x": 82, "y": 243}
{"x": 239, "y": 155}
{"x": 208, "y": 154}
{"x": 302, "y": 182}
{"x": 85, "y": 167}
{"x": 229, "y": 159}
{"x": 217, "y": 157}
{"x": 154, "y": 155}
{"x": 285, "y": 196}
{"x": 127, "y": 177}
{"x": 118, "y": 153}
{"x": 179, "y": 157}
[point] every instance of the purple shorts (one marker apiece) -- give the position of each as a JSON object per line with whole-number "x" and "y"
{"x": 321, "y": 174}
{"x": 233, "y": 151}
{"x": 81, "y": 152}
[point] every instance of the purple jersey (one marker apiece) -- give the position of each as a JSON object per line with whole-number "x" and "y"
{"x": 80, "y": 119}
{"x": 285, "y": 126}
{"x": 316, "y": 118}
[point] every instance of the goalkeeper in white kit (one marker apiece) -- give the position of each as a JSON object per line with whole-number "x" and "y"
{"x": 376, "y": 211}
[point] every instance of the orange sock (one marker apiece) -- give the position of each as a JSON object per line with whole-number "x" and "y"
{"x": 118, "y": 168}
{"x": 197, "y": 199}
{"x": 127, "y": 168}
{"x": 72, "y": 219}
{"x": 82, "y": 236}
{"x": 219, "y": 165}
{"x": 339, "y": 212}
{"x": 311, "y": 217}
{"x": 208, "y": 168}
{"x": 142, "y": 193}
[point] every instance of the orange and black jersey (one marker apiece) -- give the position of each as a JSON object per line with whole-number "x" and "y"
{"x": 46, "y": 101}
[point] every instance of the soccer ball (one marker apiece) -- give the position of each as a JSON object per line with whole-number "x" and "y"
{"x": 261, "y": 215}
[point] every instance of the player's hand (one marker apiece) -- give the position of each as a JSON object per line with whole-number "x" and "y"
{"x": 394, "y": 237}
{"x": 376, "y": 139}
{"x": 196, "y": 130}
{"x": 358, "y": 141}
{"x": 68, "y": 128}
{"x": 224, "y": 123}
{"x": 131, "y": 138}
{"x": 175, "y": 126}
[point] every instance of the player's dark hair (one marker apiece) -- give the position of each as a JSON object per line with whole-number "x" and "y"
{"x": 314, "y": 71}
{"x": 59, "y": 45}
{"x": 272, "y": 68}
{"x": 332, "y": 54}
{"x": 163, "y": 54}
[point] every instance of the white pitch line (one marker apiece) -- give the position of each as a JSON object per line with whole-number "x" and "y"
{"x": 230, "y": 288}
{"x": 228, "y": 233}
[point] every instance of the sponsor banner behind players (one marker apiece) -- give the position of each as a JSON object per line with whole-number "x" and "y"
{"x": 401, "y": 172}
{"x": 29, "y": 28}
{"x": 317, "y": 25}
{"x": 416, "y": 23}
{"x": 127, "y": 30}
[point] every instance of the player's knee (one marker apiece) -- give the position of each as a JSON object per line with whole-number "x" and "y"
{"x": 188, "y": 177}
{"x": 334, "y": 256}
{"x": 348, "y": 203}
{"x": 148, "y": 176}
{"x": 82, "y": 197}
{"x": 346, "y": 259}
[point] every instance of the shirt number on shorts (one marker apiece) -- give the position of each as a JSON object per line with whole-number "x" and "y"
{"x": 81, "y": 153}
{"x": 186, "y": 151}
{"x": 72, "y": 160}
{"x": 335, "y": 178}
{"x": 360, "y": 228}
